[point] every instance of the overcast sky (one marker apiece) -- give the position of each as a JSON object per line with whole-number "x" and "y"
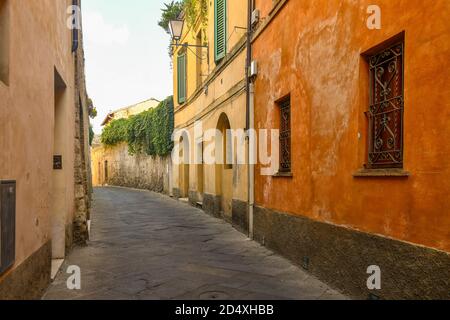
{"x": 126, "y": 54}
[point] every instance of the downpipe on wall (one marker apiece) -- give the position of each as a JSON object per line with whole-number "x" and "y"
{"x": 251, "y": 166}
{"x": 250, "y": 120}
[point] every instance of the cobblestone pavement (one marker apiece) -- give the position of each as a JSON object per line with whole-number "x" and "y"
{"x": 149, "y": 246}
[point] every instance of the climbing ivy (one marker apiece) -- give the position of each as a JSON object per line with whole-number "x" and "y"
{"x": 149, "y": 132}
{"x": 91, "y": 108}
{"x": 171, "y": 12}
{"x": 193, "y": 10}
{"x": 91, "y": 134}
{"x": 115, "y": 132}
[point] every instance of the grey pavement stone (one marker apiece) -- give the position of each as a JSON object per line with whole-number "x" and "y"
{"x": 150, "y": 247}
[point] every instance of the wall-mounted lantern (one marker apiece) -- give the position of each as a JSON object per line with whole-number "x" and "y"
{"x": 176, "y": 32}
{"x": 176, "y": 29}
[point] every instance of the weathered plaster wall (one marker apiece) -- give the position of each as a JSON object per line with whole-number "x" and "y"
{"x": 40, "y": 43}
{"x": 312, "y": 50}
{"x": 28, "y": 105}
{"x": 137, "y": 171}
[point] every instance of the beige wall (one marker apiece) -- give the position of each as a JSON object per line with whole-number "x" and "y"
{"x": 137, "y": 171}
{"x": 36, "y": 126}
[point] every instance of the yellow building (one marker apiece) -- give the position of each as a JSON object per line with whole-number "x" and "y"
{"x": 132, "y": 110}
{"x": 210, "y": 87}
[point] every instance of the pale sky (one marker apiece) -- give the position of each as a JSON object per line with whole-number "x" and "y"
{"x": 126, "y": 54}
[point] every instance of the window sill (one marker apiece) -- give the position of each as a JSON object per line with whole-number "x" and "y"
{"x": 283, "y": 175}
{"x": 369, "y": 173}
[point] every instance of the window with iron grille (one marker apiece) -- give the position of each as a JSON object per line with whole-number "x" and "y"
{"x": 385, "y": 115}
{"x": 285, "y": 135}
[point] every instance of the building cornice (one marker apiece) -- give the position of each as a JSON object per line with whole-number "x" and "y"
{"x": 272, "y": 14}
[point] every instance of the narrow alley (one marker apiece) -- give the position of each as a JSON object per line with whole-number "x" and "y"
{"x": 149, "y": 246}
{"x": 191, "y": 150}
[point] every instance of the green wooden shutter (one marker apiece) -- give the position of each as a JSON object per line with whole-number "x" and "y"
{"x": 181, "y": 78}
{"x": 220, "y": 29}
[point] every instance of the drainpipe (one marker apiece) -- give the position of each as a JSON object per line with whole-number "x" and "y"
{"x": 251, "y": 166}
{"x": 248, "y": 62}
{"x": 250, "y": 120}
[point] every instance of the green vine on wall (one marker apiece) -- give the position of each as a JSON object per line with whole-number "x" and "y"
{"x": 193, "y": 10}
{"x": 196, "y": 9}
{"x": 149, "y": 132}
{"x": 115, "y": 132}
{"x": 171, "y": 12}
{"x": 91, "y": 134}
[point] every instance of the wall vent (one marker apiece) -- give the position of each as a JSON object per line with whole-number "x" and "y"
{"x": 7, "y": 224}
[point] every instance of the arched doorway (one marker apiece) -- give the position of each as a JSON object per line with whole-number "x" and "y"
{"x": 183, "y": 173}
{"x": 224, "y": 167}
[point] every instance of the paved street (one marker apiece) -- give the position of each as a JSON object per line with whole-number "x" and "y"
{"x": 149, "y": 246}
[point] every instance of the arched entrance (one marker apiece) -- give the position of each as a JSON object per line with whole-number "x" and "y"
{"x": 224, "y": 167}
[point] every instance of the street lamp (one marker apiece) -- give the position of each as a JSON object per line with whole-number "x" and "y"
{"x": 176, "y": 29}
{"x": 176, "y": 32}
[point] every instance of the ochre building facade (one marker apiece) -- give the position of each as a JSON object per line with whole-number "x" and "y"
{"x": 363, "y": 116}
{"x": 210, "y": 90}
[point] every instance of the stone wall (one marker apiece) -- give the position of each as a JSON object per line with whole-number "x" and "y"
{"x": 133, "y": 171}
{"x": 340, "y": 257}
{"x": 82, "y": 167}
{"x": 30, "y": 279}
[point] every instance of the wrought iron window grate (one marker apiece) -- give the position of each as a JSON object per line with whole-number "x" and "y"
{"x": 385, "y": 113}
{"x": 285, "y": 136}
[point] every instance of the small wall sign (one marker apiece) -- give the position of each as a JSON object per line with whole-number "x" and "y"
{"x": 57, "y": 163}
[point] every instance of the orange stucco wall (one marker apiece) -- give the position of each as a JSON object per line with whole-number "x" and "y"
{"x": 312, "y": 51}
